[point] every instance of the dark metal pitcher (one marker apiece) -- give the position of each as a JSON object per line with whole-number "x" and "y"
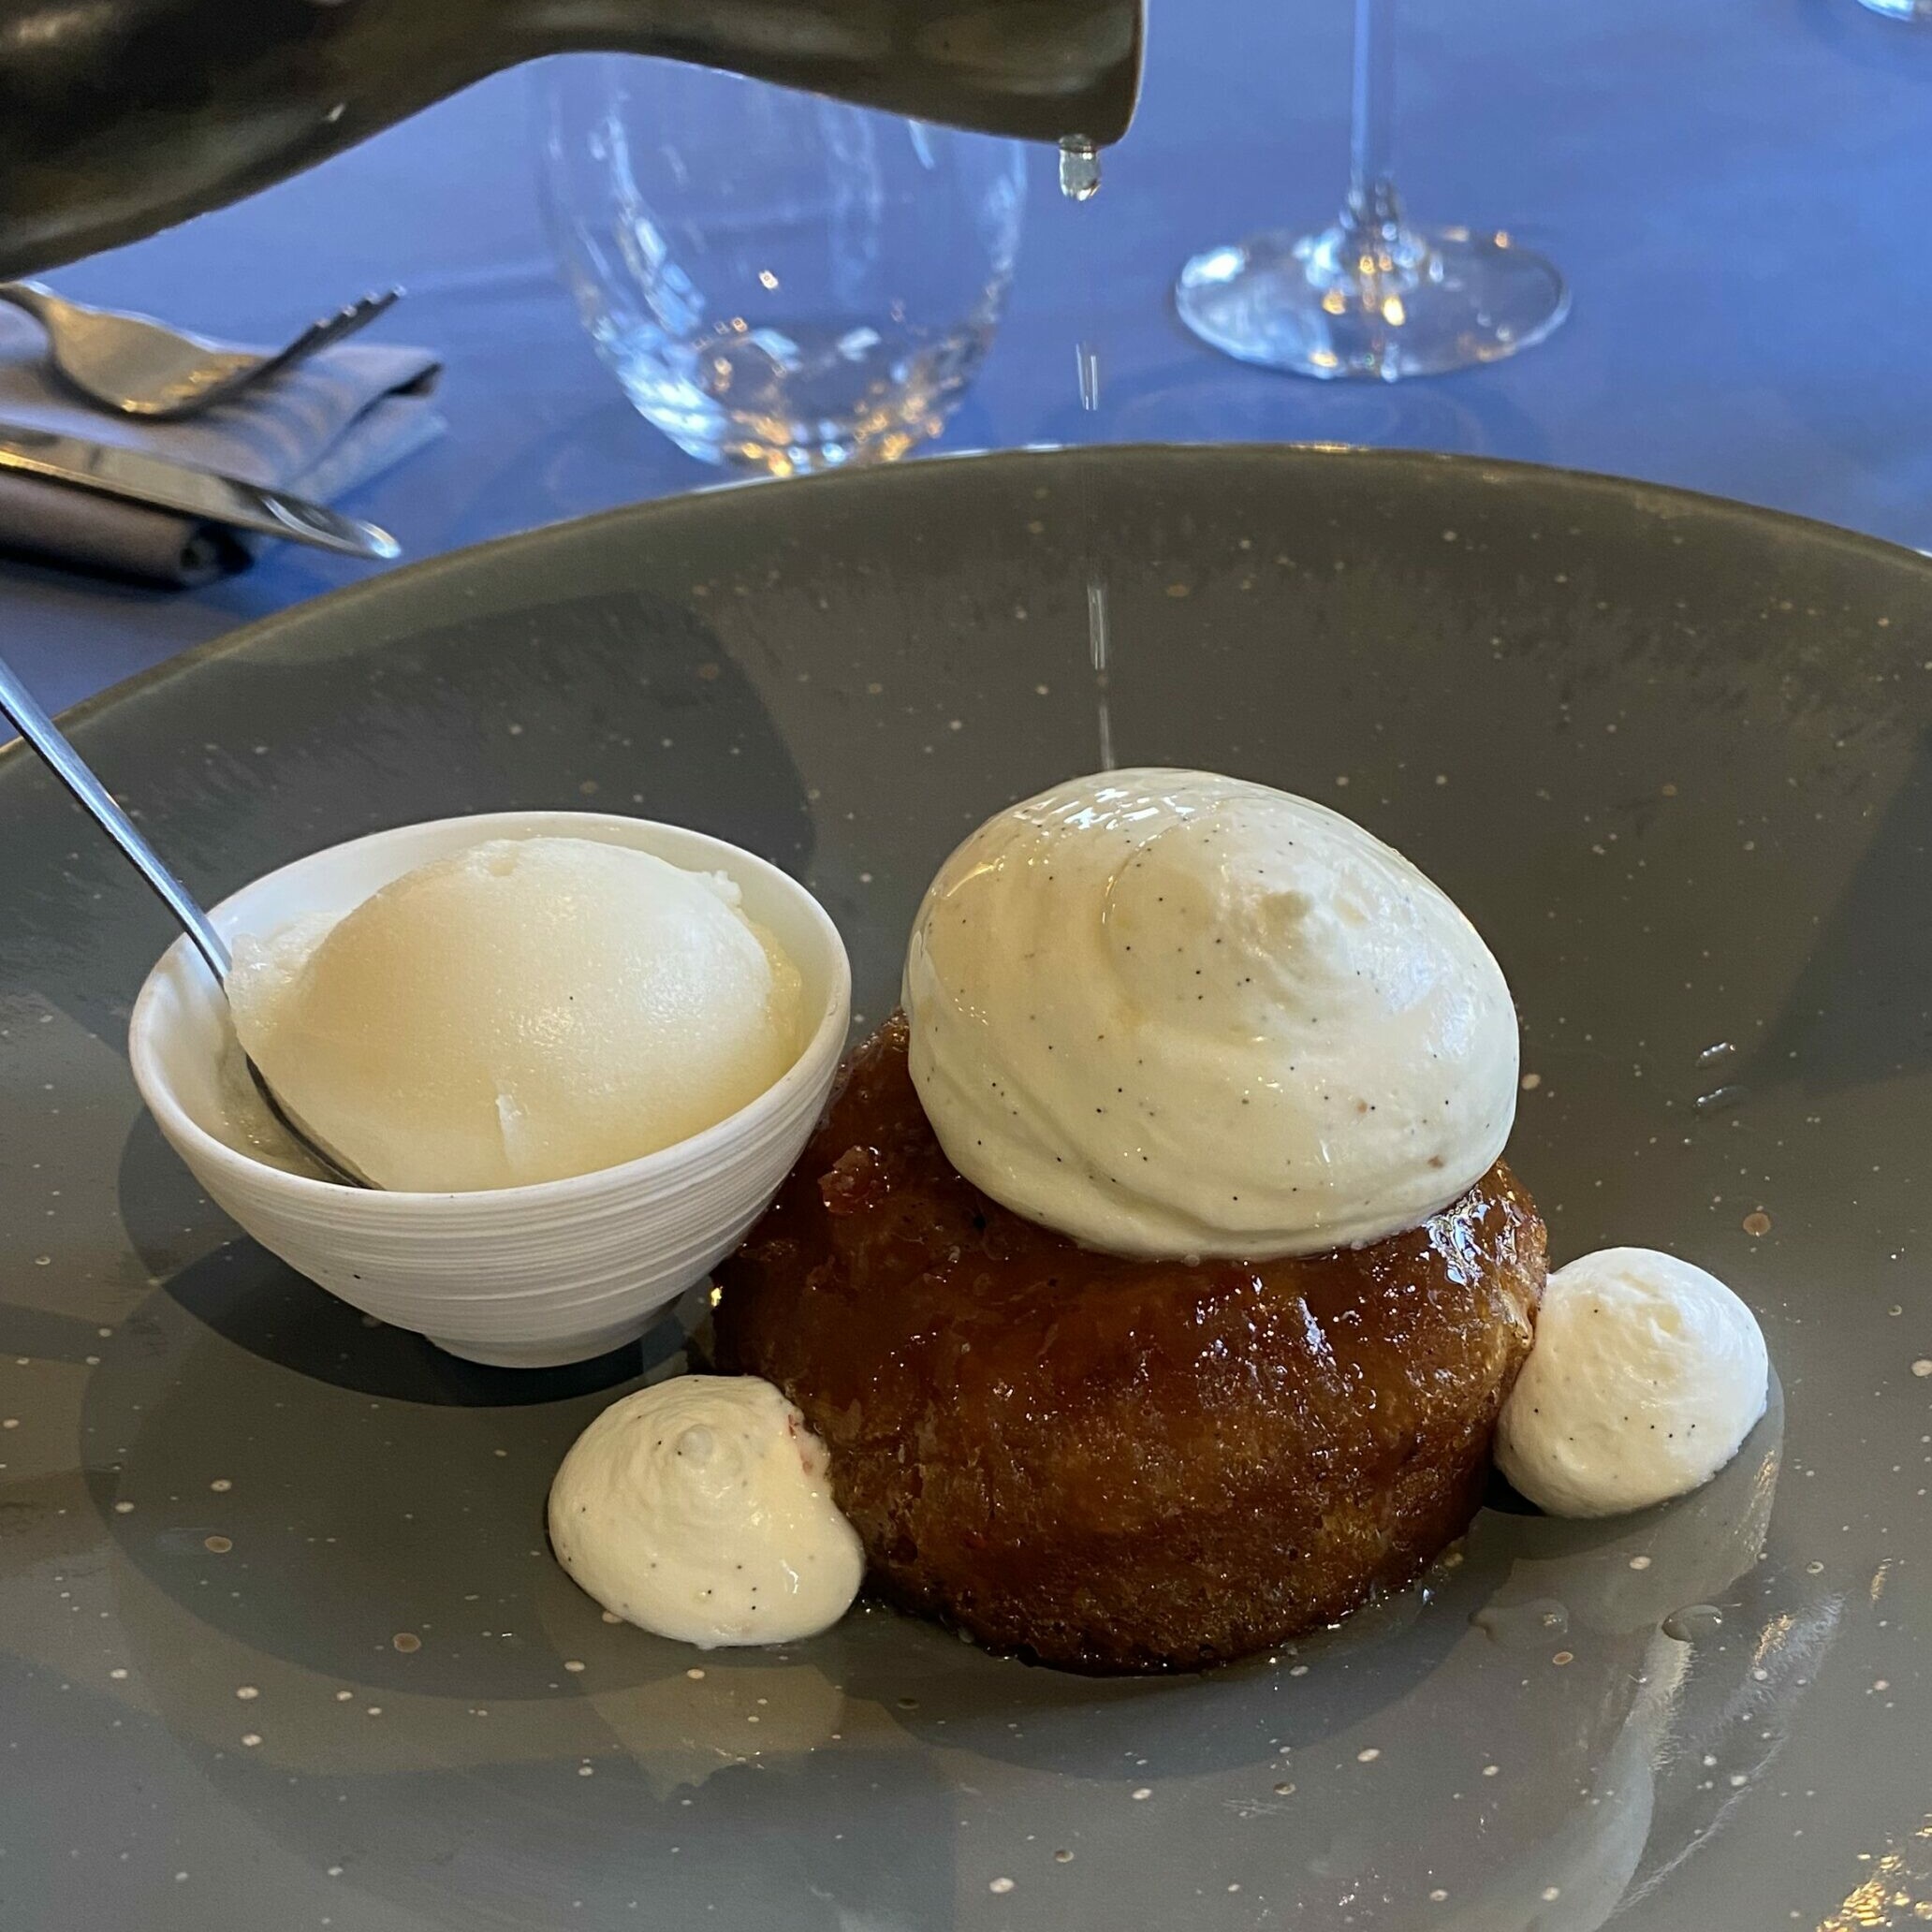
{"x": 120, "y": 117}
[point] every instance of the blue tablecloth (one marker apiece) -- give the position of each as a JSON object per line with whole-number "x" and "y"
{"x": 1737, "y": 190}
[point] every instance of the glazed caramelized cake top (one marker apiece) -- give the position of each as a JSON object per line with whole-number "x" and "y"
{"x": 929, "y": 1270}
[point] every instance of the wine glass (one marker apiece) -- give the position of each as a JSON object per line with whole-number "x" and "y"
{"x": 1373, "y": 295}
{"x": 779, "y": 282}
{"x": 1901, "y": 10}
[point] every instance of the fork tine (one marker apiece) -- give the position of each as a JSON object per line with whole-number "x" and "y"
{"x": 319, "y": 336}
{"x": 324, "y": 332}
{"x": 359, "y": 314}
{"x": 365, "y": 309}
{"x": 329, "y": 328}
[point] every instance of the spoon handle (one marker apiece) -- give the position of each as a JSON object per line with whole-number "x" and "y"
{"x": 67, "y": 765}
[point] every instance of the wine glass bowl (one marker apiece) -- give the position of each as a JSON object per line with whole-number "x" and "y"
{"x": 778, "y": 282}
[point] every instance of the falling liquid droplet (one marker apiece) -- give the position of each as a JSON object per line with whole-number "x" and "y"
{"x": 1079, "y": 167}
{"x": 1693, "y": 1621}
{"x": 1718, "y": 1050}
{"x": 1097, "y": 624}
{"x": 1088, "y": 357}
{"x": 1097, "y": 654}
{"x": 1719, "y": 1099}
{"x": 1086, "y": 365}
{"x": 1522, "y": 1625}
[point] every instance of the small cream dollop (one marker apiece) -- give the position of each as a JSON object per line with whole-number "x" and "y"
{"x": 523, "y": 1011}
{"x": 700, "y": 1508}
{"x": 1645, "y": 1376}
{"x": 1169, "y": 1012}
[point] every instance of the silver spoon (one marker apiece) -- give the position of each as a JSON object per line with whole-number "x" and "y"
{"x": 143, "y": 367}
{"x": 73, "y": 772}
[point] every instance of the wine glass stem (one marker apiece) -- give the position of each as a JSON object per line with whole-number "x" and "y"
{"x": 1373, "y": 209}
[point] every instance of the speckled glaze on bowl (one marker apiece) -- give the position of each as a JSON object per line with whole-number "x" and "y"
{"x": 1675, "y": 758}
{"x": 523, "y": 1277}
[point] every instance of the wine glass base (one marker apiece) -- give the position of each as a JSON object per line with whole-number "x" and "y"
{"x": 1919, "y": 10}
{"x": 1333, "y": 305}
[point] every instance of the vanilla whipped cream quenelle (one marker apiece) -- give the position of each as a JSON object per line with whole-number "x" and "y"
{"x": 1647, "y": 1375}
{"x": 1169, "y": 1012}
{"x": 523, "y": 1011}
{"x": 699, "y": 1508}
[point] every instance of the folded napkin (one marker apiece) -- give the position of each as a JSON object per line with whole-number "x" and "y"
{"x": 318, "y": 429}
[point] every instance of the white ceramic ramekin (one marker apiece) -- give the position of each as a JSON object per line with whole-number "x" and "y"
{"x": 524, "y": 1277}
